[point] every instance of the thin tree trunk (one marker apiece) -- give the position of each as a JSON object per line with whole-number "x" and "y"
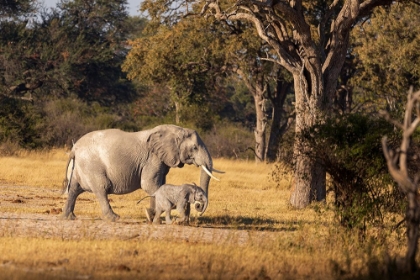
{"x": 413, "y": 219}
{"x": 278, "y": 124}
{"x": 261, "y": 122}
{"x": 177, "y": 112}
{"x": 257, "y": 89}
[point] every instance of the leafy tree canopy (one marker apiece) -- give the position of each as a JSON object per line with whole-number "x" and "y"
{"x": 77, "y": 49}
{"x": 16, "y": 8}
{"x": 387, "y": 50}
{"x": 185, "y": 58}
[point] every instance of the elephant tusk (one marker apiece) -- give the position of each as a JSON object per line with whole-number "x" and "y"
{"x": 209, "y": 173}
{"x": 218, "y": 171}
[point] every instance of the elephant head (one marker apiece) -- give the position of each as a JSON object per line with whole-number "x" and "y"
{"x": 176, "y": 146}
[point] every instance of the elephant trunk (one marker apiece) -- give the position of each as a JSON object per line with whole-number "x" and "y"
{"x": 201, "y": 206}
{"x": 206, "y": 203}
{"x": 204, "y": 177}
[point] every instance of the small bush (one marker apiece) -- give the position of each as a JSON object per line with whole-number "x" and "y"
{"x": 229, "y": 141}
{"x": 60, "y": 122}
{"x": 8, "y": 148}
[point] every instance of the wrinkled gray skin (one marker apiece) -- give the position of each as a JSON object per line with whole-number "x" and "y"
{"x": 170, "y": 197}
{"x": 116, "y": 162}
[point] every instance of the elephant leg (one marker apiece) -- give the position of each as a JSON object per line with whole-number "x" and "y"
{"x": 184, "y": 212}
{"x": 168, "y": 216}
{"x": 68, "y": 210}
{"x": 107, "y": 212}
{"x": 150, "y": 212}
{"x": 156, "y": 219}
{"x": 187, "y": 213}
{"x": 153, "y": 176}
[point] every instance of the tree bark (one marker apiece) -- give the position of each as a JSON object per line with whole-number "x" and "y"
{"x": 177, "y": 112}
{"x": 310, "y": 182}
{"x": 257, "y": 89}
{"x": 279, "y": 124}
{"x": 413, "y": 220}
{"x": 261, "y": 122}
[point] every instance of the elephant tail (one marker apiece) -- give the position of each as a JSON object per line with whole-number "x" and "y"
{"x": 69, "y": 173}
{"x": 144, "y": 198}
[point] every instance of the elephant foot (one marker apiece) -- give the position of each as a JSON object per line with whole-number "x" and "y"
{"x": 112, "y": 217}
{"x": 69, "y": 216}
{"x": 181, "y": 223}
{"x": 150, "y": 214}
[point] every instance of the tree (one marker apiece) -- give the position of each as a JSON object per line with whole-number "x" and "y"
{"x": 387, "y": 53}
{"x": 14, "y": 32}
{"x": 16, "y": 8}
{"x": 14, "y": 122}
{"x": 310, "y": 39}
{"x": 184, "y": 57}
{"x": 76, "y": 49}
{"x": 267, "y": 84}
{"x": 90, "y": 35}
{"x": 260, "y": 79}
{"x": 230, "y": 49}
{"x": 73, "y": 51}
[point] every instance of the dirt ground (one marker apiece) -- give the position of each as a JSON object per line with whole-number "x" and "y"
{"x": 42, "y": 220}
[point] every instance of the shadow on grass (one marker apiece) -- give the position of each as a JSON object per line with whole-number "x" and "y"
{"x": 244, "y": 223}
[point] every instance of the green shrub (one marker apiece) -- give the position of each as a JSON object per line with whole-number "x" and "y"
{"x": 59, "y": 122}
{"x": 350, "y": 149}
{"x": 18, "y": 121}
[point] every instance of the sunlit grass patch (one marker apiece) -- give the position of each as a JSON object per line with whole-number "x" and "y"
{"x": 282, "y": 243}
{"x": 34, "y": 168}
{"x": 148, "y": 259}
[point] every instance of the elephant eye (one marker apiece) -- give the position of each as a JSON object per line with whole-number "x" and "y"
{"x": 195, "y": 148}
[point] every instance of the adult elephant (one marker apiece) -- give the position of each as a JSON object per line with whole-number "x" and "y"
{"x": 116, "y": 162}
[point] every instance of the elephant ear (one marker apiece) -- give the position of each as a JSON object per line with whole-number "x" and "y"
{"x": 198, "y": 194}
{"x": 188, "y": 193}
{"x": 165, "y": 144}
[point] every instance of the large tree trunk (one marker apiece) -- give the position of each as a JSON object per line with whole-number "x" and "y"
{"x": 309, "y": 174}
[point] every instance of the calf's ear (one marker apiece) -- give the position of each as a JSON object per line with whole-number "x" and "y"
{"x": 191, "y": 197}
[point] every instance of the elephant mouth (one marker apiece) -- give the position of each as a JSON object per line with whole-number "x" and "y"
{"x": 190, "y": 161}
{"x": 181, "y": 164}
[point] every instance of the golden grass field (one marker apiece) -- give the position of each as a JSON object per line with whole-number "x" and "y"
{"x": 281, "y": 242}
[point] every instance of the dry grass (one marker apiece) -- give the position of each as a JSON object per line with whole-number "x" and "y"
{"x": 305, "y": 244}
{"x": 40, "y": 169}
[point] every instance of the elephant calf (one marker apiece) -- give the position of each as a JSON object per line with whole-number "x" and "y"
{"x": 170, "y": 197}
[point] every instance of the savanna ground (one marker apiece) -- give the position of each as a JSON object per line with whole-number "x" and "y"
{"x": 248, "y": 231}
